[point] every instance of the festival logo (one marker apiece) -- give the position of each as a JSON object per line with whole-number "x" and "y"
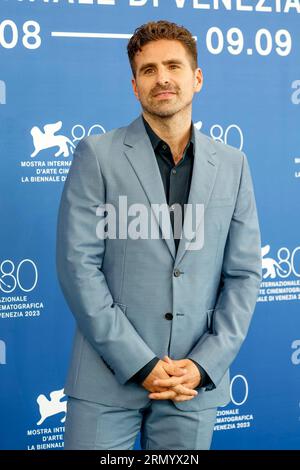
{"x": 53, "y": 406}
{"x": 49, "y": 139}
{"x": 51, "y": 151}
{"x": 49, "y": 434}
{"x": 236, "y": 415}
{"x": 280, "y": 274}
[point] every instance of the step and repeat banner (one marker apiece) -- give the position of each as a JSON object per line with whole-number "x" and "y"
{"x": 64, "y": 74}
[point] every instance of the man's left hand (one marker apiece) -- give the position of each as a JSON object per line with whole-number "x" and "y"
{"x": 191, "y": 379}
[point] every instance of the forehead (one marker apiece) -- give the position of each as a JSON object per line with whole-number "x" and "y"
{"x": 161, "y": 50}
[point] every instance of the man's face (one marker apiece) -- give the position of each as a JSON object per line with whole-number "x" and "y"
{"x": 165, "y": 82}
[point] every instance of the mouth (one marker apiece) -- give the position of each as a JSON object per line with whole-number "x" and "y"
{"x": 164, "y": 94}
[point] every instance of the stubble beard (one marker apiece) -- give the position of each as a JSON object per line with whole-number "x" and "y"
{"x": 159, "y": 111}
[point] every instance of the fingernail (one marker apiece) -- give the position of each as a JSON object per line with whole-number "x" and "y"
{"x": 155, "y": 382}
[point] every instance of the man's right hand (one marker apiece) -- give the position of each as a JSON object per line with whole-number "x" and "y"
{"x": 164, "y": 370}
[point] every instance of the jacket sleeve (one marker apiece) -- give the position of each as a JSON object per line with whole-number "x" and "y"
{"x": 140, "y": 376}
{"x": 79, "y": 256}
{"x": 239, "y": 286}
{"x": 205, "y": 380}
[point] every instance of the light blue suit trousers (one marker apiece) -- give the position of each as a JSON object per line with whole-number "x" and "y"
{"x": 93, "y": 426}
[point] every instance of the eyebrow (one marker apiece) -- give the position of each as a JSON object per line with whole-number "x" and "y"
{"x": 165, "y": 62}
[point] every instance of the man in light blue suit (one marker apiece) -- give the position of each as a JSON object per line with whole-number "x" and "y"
{"x": 159, "y": 318}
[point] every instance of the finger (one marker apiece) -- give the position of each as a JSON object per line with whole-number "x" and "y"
{"x": 175, "y": 367}
{"x": 162, "y": 395}
{"x": 178, "y": 390}
{"x": 159, "y": 389}
{"x": 175, "y": 370}
{"x": 181, "y": 390}
{"x": 171, "y": 382}
{"x": 167, "y": 359}
{"x": 182, "y": 398}
{"x": 181, "y": 363}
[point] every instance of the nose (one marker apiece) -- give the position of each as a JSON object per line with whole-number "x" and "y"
{"x": 162, "y": 76}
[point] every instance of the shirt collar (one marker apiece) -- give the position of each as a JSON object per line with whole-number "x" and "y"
{"x": 156, "y": 140}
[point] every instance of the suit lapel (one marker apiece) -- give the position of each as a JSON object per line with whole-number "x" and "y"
{"x": 203, "y": 179}
{"x": 141, "y": 156}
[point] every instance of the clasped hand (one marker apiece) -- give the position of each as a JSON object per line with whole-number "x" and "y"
{"x": 173, "y": 379}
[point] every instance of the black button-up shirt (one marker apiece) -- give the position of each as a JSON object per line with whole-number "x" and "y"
{"x": 176, "y": 179}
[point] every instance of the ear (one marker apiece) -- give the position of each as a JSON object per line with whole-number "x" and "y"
{"x": 134, "y": 87}
{"x": 198, "y": 80}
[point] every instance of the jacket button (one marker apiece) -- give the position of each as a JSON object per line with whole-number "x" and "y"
{"x": 177, "y": 272}
{"x": 169, "y": 316}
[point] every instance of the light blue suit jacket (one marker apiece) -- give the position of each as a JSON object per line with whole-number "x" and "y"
{"x": 119, "y": 290}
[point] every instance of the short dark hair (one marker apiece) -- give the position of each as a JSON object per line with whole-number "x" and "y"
{"x": 162, "y": 29}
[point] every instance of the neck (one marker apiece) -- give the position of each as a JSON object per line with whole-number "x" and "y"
{"x": 174, "y": 130}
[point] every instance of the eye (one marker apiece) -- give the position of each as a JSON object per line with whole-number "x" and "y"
{"x": 174, "y": 66}
{"x": 148, "y": 70}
